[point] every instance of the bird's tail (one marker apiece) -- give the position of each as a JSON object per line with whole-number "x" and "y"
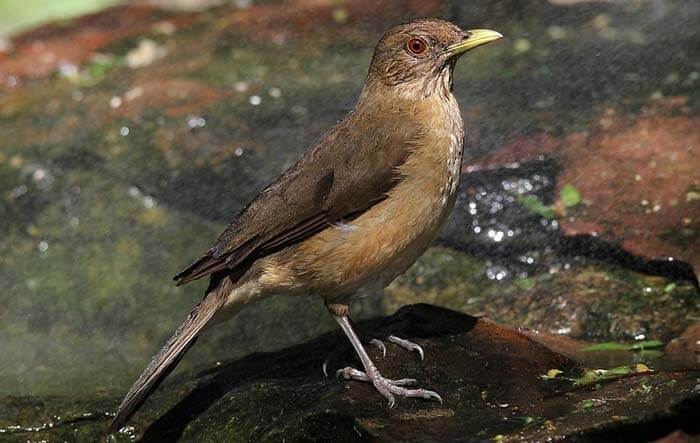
{"x": 169, "y": 356}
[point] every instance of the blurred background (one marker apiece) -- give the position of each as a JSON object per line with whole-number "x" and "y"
{"x": 131, "y": 136}
{"x": 16, "y": 15}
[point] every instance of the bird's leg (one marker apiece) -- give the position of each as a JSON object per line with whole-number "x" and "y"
{"x": 374, "y": 342}
{"x": 388, "y": 388}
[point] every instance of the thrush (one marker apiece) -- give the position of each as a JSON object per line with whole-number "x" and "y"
{"x": 355, "y": 211}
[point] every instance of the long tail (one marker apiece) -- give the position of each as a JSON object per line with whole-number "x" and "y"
{"x": 169, "y": 356}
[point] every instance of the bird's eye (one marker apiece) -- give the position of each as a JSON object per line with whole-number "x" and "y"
{"x": 416, "y": 46}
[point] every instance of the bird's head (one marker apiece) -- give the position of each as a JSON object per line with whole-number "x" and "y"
{"x": 418, "y": 57}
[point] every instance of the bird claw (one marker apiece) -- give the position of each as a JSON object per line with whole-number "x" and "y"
{"x": 387, "y": 387}
{"x": 379, "y": 344}
{"x": 325, "y": 365}
{"x": 408, "y": 345}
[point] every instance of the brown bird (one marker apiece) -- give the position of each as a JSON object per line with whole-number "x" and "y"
{"x": 354, "y": 212}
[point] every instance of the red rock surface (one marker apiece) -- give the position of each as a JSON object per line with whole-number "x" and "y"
{"x": 686, "y": 348}
{"x": 638, "y": 177}
{"x": 40, "y": 52}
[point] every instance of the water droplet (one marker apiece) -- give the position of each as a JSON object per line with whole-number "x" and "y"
{"x": 275, "y": 92}
{"x": 39, "y": 174}
{"x": 67, "y": 69}
{"x": 241, "y": 86}
{"x": 43, "y": 246}
{"x": 196, "y": 121}
{"x": 238, "y": 152}
{"x": 255, "y": 100}
{"x": 497, "y": 273}
{"x": 124, "y": 131}
{"x": 115, "y": 102}
{"x": 133, "y": 93}
{"x": 497, "y": 236}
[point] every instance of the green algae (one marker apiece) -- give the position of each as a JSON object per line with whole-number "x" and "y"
{"x": 592, "y": 301}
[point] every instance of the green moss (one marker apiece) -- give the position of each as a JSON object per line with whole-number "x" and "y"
{"x": 595, "y": 301}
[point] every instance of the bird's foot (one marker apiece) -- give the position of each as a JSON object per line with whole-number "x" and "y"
{"x": 406, "y": 344}
{"x": 387, "y": 387}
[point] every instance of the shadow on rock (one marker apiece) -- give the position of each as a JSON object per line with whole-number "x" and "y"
{"x": 496, "y": 383}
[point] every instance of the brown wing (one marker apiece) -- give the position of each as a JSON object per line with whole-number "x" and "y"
{"x": 349, "y": 170}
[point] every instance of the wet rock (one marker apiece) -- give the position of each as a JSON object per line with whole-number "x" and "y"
{"x": 581, "y": 298}
{"x": 497, "y": 384}
{"x": 675, "y": 437}
{"x": 686, "y": 348}
{"x": 111, "y": 178}
{"x": 652, "y": 217}
{"x": 41, "y": 52}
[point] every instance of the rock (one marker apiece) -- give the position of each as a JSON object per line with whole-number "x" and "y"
{"x": 113, "y": 178}
{"x": 496, "y": 384}
{"x": 633, "y": 175}
{"x": 686, "y": 348}
{"x": 580, "y": 299}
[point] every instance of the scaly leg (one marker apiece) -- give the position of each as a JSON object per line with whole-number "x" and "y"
{"x": 388, "y": 388}
{"x": 374, "y": 342}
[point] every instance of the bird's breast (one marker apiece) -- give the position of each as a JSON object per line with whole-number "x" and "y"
{"x": 384, "y": 241}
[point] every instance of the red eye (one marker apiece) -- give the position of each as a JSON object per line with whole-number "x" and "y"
{"x": 416, "y": 46}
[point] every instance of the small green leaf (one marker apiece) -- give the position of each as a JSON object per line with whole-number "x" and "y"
{"x": 595, "y": 375}
{"x": 526, "y": 419}
{"x": 534, "y": 204}
{"x": 552, "y": 373}
{"x": 525, "y": 283}
{"x": 569, "y": 196}
{"x": 607, "y": 347}
{"x": 649, "y": 344}
{"x": 587, "y": 404}
{"x": 641, "y": 367}
{"x": 670, "y": 287}
{"x": 611, "y": 346}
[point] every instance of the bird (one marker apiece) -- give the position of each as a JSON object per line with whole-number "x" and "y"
{"x": 354, "y": 212}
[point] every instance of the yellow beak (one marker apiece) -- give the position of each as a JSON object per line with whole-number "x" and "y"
{"x": 475, "y": 37}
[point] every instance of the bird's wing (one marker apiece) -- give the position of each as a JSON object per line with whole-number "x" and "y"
{"x": 347, "y": 172}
